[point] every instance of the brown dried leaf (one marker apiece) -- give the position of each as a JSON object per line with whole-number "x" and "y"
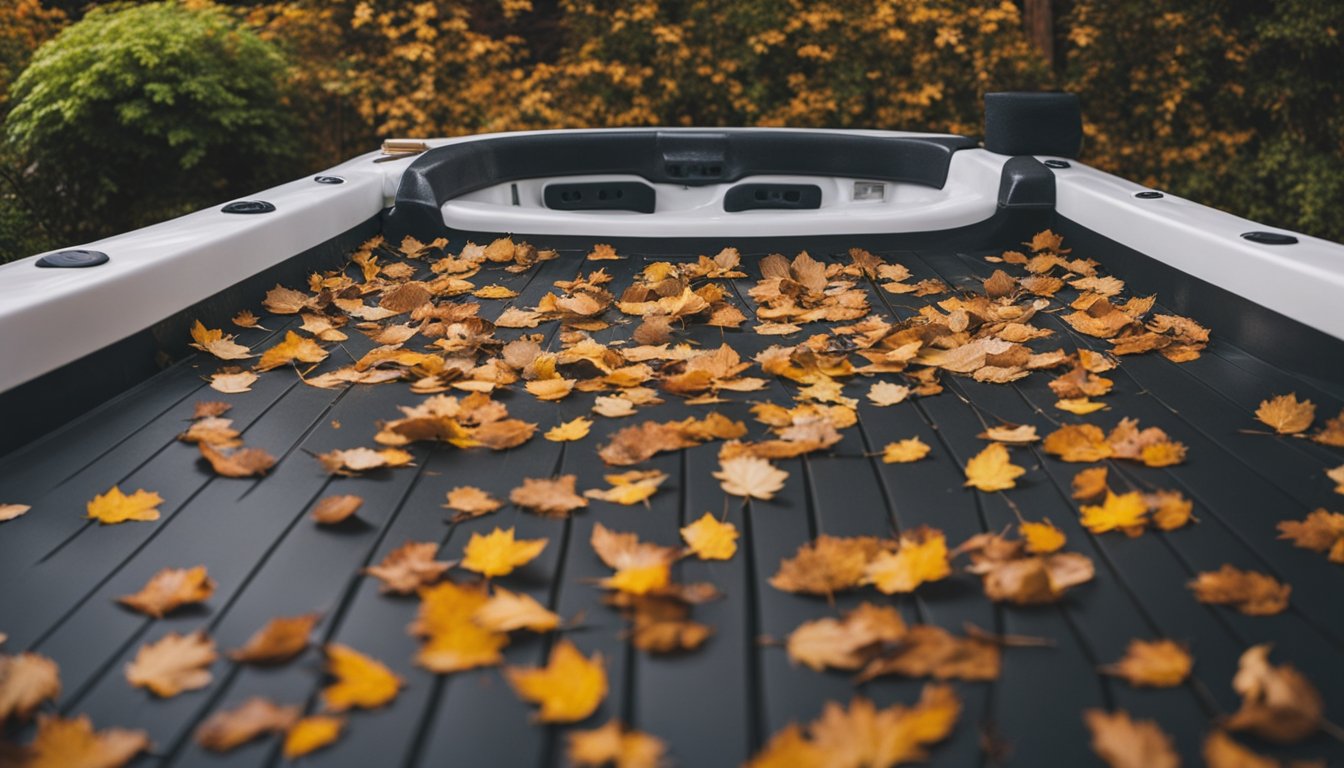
{"x": 1125, "y": 743}
{"x": 244, "y": 462}
{"x": 228, "y": 729}
{"x": 549, "y": 497}
{"x": 26, "y": 680}
{"x": 170, "y": 588}
{"x": 1153, "y": 664}
{"x": 1286, "y": 414}
{"x": 409, "y": 567}
{"x": 173, "y": 664}
{"x": 1252, "y": 593}
{"x": 334, "y": 509}
{"x": 1277, "y": 703}
{"x": 281, "y": 639}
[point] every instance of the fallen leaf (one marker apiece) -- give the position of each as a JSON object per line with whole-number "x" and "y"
{"x": 847, "y": 643}
{"x": 1089, "y": 483}
{"x": 928, "y": 651}
{"x": 170, "y": 588}
{"x": 905, "y": 451}
{"x": 498, "y": 554}
{"x": 1012, "y": 434}
{"x": 613, "y": 407}
{"x": 575, "y": 429}
{"x": 174, "y": 664}
{"x": 661, "y": 620}
{"x": 640, "y": 567}
{"x": 62, "y": 743}
{"x": 1320, "y": 531}
{"x": 116, "y": 507}
{"x": 827, "y": 564}
{"x": 1153, "y": 664}
{"x": 1170, "y": 509}
{"x": 233, "y": 383}
{"x": 920, "y": 558}
{"x": 507, "y": 611}
{"x": 884, "y": 393}
{"x": 213, "y": 430}
{"x": 1126, "y": 512}
{"x": 615, "y": 745}
{"x": 1125, "y": 743}
{"x": 470, "y": 501}
{"x": 629, "y": 488}
{"x": 311, "y": 734}
{"x": 26, "y": 680}
{"x": 281, "y": 639}
{"x": 205, "y": 409}
{"x": 355, "y": 460}
{"x": 551, "y": 389}
{"x": 750, "y": 477}
{"x": 247, "y": 319}
{"x": 862, "y": 735}
{"x": 1337, "y": 474}
{"x": 1332, "y": 433}
{"x": 454, "y": 640}
{"x": 1080, "y": 406}
{"x": 549, "y": 497}
{"x": 285, "y": 301}
{"x": 294, "y": 349}
{"x": 409, "y": 567}
{"x": 334, "y": 509}
{"x": 1286, "y": 414}
{"x": 228, "y": 729}
{"x": 11, "y": 511}
{"x": 244, "y": 462}
{"x": 1277, "y": 703}
{"x": 1252, "y": 593}
{"x": 360, "y": 681}
{"x": 711, "y": 539}
{"x": 992, "y": 469}
{"x": 217, "y": 343}
{"x": 1041, "y": 538}
{"x": 569, "y": 688}
{"x": 494, "y": 291}
{"x": 1078, "y": 443}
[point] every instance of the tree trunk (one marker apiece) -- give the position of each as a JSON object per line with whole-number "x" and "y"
{"x": 1039, "y": 21}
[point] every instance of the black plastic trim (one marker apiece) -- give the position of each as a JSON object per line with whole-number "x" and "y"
{"x": 329, "y": 179}
{"x": 1025, "y": 182}
{"x": 72, "y": 259}
{"x": 690, "y": 158}
{"x": 1033, "y": 123}
{"x": 1052, "y": 163}
{"x": 1269, "y": 238}
{"x": 248, "y": 207}
{"x": 750, "y": 197}
{"x": 1149, "y": 195}
{"x": 600, "y": 196}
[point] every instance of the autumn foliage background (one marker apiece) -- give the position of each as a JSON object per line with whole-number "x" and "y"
{"x": 1233, "y": 103}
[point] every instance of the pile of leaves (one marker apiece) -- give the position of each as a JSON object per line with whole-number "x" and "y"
{"x": 460, "y": 372}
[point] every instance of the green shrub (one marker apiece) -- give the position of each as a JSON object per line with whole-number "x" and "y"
{"x": 135, "y": 114}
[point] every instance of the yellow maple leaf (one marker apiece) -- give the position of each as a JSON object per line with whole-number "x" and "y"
{"x": 629, "y": 487}
{"x": 1165, "y": 453}
{"x": 311, "y": 734}
{"x": 360, "y": 680}
{"x": 498, "y": 554}
{"x": 711, "y": 539}
{"x": 575, "y": 429}
{"x": 217, "y": 343}
{"x": 905, "y": 451}
{"x": 1042, "y": 538}
{"x": 494, "y": 291}
{"x": 454, "y": 640}
{"x": 992, "y": 469}
{"x": 569, "y": 688}
{"x": 1079, "y": 405}
{"x": 789, "y": 749}
{"x": 294, "y": 348}
{"x": 1286, "y": 414}
{"x": 921, "y": 557}
{"x": 116, "y": 507}
{"x": 641, "y": 567}
{"x": 1126, "y": 512}
{"x": 507, "y": 611}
